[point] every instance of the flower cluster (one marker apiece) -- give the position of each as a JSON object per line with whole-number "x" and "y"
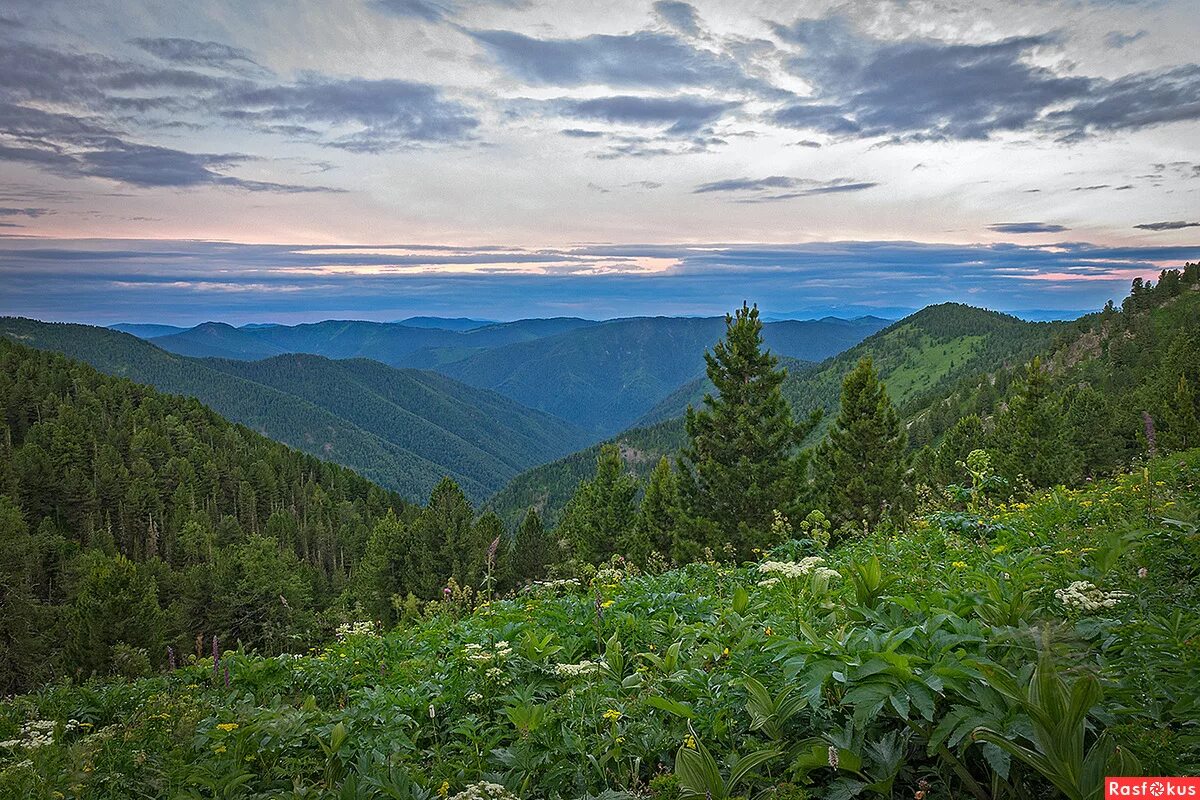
{"x": 792, "y": 569}
{"x": 477, "y": 653}
{"x": 1084, "y": 596}
{"x": 553, "y": 585}
{"x": 37, "y": 733}
{"x": 576, "y": 670}
{"x": 349, "y": 630}
{"x": 485, "y": 791}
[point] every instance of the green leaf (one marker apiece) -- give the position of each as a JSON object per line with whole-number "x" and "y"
{"x": 670, "y": 706}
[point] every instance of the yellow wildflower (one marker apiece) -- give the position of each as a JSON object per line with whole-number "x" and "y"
{"x": 959, "y": 565}
{"x": 227, "y": 726}
{"x": 769, "y": 631}
{"x": 612, "y": 714}
{"x": 690, "y": 742}
{"x": 219, "y": 748}
{"x": 726, "y": 652}
{"x": 444, "y": 789}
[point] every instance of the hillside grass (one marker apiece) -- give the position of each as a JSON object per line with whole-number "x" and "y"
{"x": 657, "y": 684}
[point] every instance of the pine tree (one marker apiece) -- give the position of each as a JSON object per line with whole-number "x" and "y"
{"x": 658, "y": 518}
{"x": 532, "y": 551}
{"x": 20, "y": 642}
{"x": 738, "y": 468}
{"x": 449, "y": 537}
{"x": 861, "y": 468}
{"x": 1183, "y": 429}
{"x": 1031, "y": 437}
{"x": 601, "y": 513}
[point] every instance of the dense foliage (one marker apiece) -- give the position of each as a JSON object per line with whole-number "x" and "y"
{"x": 990, "y": 654}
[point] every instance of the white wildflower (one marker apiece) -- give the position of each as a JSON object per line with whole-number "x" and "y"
{"x": 575, "y": 670}
{"x": 792, "y": 569}
{"x": 485, "y": 791}
{"x": 348, "y": 630}
{"x": 1084, "y": 596}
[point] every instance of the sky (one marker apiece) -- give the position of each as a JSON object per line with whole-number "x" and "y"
{"x": 374, "y": 159}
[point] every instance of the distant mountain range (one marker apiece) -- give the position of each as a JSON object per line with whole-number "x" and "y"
{"x": 403, "y": 429}
{"x": 599, "y": 376}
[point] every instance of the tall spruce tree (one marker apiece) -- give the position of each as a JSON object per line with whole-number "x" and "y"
{"x": 532, "y": 551}
{"x": 658, "y": 518}
{"x": 601, "y": 514}
{"x": 1031, "y": 437}
{"x": 861, "y": 468}
{"x": 447, "y": 533}
{"x": 738, "y": 469}
{"x": 1183, "y": 424}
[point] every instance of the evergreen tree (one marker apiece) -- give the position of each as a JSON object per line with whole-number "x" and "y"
{"x": 658, "y": 518}
{"x": 449, "y": 539}
{"x": 20, "y": 634}
{"x": 601, "y": 513}
{"x": 1031, "y": 437}
{"x": 531, "y": 552}
{"x": 1183, "y": 425}
{"x": 738, "y": 469}
{"x": 861, "y": 468}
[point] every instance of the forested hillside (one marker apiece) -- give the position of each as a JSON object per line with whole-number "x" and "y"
{"x": 951, "y": 370}
{"x": 132, "y": 520}
{"x": 606, "y": 376}
{"x": 401, "y": 428}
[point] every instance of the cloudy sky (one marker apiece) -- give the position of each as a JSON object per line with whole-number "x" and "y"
{"x": 291, "y": 161}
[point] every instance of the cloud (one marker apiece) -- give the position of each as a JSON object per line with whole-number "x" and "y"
{"x": 195, "y": 52}
{"x": 644, "y": 59}
{"x": 59, "y": 278}
{"x": 432, "y": 11}
{"x": 683, "y": 114}
{"x": 680, "y": 16}
{"x": 32, "y": 213}
{"x": 1116, "y": 39}
{"x": 389, "y": 113}
{"x": 1026, "y": 227}
{"x": 1167, "y": 226}
{"x": 804, "y": 187}
{"x": 928, "y": 89}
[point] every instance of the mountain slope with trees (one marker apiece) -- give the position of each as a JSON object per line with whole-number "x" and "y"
{"x": 606, "y": 376}
{"x": 950, "y": 370}
{"x": 402, "y": 429}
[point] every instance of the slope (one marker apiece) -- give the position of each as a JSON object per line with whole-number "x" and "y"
{"x": 604, "y": 377}
{"x": 918, "y": 357}
{"x": 411, "y": 464}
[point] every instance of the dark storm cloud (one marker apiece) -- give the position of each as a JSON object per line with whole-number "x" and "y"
{"x": 1167, "y": 226}
{"x": 195, "y": 52}
{"x": 680, "y": 16}
{"x": 116, "y": 278}
{"x": 392, "y": 113}
{"x": 1026, "y": 227}
{"x": 644, "y": 59}
{"x": 683, "y": 114}
{"x": 925, "y": 89}
{"x": 802, "y": 187}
